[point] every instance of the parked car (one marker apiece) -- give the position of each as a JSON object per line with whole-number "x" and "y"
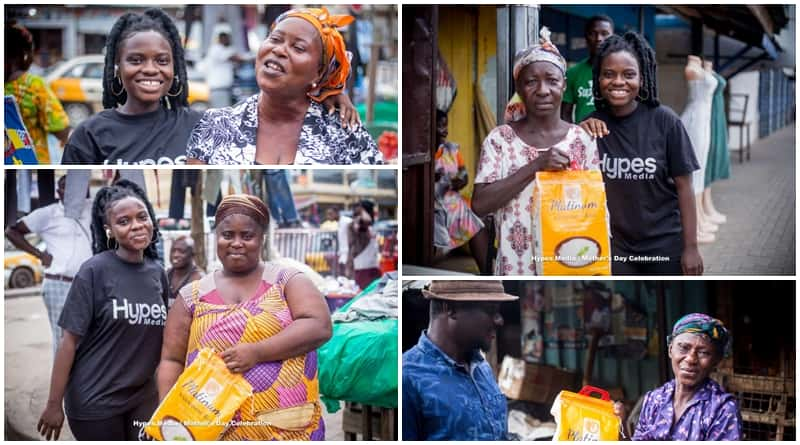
{"x": 78, "y": 85}
{"x": 21, "y": 268}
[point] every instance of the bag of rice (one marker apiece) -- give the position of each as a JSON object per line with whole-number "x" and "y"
{"x": 570, "y": 223}
{"x": 580, "y": 417}
{"x": 201, "y": 403}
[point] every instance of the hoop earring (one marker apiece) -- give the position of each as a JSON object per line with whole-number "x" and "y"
{"x": 596, "y": 97}
{"x": 122, "y": 90}
{"x": 643, "y": 98}
{"x": 180, "y": 88}
{"x": 108, "y": 243}
{"x": 156, "y": 237}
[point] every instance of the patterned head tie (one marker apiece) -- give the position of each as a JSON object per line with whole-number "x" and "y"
{"x": 335, "y": 57}
{"x": 242, "y": 204}
{"x": 545, "y": 51}
{"x": 698, "y": 323}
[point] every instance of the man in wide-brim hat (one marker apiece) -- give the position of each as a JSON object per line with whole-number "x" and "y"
{"x": 449, "y": 390}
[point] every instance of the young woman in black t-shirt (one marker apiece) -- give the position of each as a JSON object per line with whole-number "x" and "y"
{"x": 113, "y": 321}
{"x": 647, "y": 161}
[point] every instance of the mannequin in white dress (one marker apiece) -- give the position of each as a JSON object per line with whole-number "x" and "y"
{"x": 696, "y": 117}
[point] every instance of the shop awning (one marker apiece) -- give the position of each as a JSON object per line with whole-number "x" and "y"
{"x": 754, "y": 25}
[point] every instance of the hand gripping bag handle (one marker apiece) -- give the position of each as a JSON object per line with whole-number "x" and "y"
{"x": 588, "y": 390}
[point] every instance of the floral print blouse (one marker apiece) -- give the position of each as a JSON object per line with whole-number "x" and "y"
{"x": 228, "y": 136}
{"x": 712, "y": 414}
{"x": 503, "y": 153}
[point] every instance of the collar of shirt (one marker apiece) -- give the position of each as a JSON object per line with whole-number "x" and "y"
{"x": 667, "y": 410}
{"x": 429, "y": 348}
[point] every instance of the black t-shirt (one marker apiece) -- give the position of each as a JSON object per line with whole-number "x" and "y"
{"x": 110, "y": 137}
{"x": 640, "y": 157}
{"x": 118, "y": 309}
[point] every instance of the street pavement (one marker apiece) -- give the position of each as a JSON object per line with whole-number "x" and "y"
{"x": 759, "y": 200}
{"x": 28, "y": 363}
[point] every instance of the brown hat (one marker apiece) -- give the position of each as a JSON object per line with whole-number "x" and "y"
{"x": 468, "y": 290}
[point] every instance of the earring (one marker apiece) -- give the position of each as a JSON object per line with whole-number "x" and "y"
{"x": 596, "y": 97}
{"x": 180, "y": 87}
{"x": 116, "y": 77}
{"x": 108, "y": 243}
{"x": 313, "y": 85}
{"x": 108, "y": 234}
{"x": 156, "y": 237}
{"x": 647, "y": 96}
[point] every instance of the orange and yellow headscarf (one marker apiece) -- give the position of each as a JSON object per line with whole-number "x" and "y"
{"x": 335, "y": 57}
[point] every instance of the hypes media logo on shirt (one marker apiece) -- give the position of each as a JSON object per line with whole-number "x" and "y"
{"x": 629, "y": 168}
{"x": 139, "y": 313}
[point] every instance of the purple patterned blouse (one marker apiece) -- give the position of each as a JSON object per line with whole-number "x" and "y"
{"x": 712, "y": 414}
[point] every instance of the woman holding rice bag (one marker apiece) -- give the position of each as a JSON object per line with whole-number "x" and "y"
{"x": 534, "y": 139}
{"x": 648, "y": 162}
{"x": 113, "y": 321}
{"x": 265, "y": 321}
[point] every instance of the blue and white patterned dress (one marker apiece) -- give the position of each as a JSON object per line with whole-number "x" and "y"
{"x": 227, "y": 136}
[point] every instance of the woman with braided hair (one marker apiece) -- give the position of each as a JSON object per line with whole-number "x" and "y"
{"x": 301, "y": 63}
{"x": 147, "y": 119}
{"x": 265, "y": 321}
{"x": 647, "y": 162}
{"x": 113, "y": 321}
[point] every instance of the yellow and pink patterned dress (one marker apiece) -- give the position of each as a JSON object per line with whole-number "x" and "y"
{"x": 287, "y": 388}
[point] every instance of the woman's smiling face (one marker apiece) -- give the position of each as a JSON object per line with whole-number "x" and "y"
{"x": 289, "y": 59}
{"x": 620, "y": 81}
{"x": 146, "y": 69}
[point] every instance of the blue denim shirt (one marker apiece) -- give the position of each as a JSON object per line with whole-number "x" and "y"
{"x": 443, "y": 400}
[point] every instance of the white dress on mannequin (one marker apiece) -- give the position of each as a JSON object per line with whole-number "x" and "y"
{"x": 696, "y": 117}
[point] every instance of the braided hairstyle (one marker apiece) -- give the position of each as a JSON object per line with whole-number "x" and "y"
{"x": 19, "y": 46}
{"x": 153, "y": 19}
{"x": 103, "y": 200}
{"x": 635, "y": 44}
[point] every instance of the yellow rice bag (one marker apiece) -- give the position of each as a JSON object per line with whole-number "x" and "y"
{"x": 580, "y": 417}
{"x": 201, "y": 403}
{"x": 570, "y": 223}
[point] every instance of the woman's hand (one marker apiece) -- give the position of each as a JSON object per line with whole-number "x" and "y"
{"x": 552, "y": 160}
{"x": 622, "y": 415}
{"x": 691, "y": 261}
{"x": 51, "y": 421}
{"x": 240, "y": 358}
{"x": 347, "y": 112}
{"x": 595, "y": 127}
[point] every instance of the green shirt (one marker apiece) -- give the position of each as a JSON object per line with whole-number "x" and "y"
{"x": 579, "y": 89}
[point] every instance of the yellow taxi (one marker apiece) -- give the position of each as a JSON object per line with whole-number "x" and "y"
{"x": 22, "y": 269}
{"x": 78, "y": 84}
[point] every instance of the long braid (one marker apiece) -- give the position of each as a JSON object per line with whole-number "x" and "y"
{"x": 636, "y": 45}
{"x": 103, "y": 200}
{"x": 153, "y": 19}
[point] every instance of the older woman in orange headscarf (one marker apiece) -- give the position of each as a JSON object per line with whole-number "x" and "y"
{"x": 265, "y": 321}
{"x": 302, "y": 62}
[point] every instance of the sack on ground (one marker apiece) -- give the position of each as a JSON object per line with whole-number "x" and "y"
{"x": 580, "y": 417}
{"x": 571, "y": 224}
{"x": 201, "y": 403}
